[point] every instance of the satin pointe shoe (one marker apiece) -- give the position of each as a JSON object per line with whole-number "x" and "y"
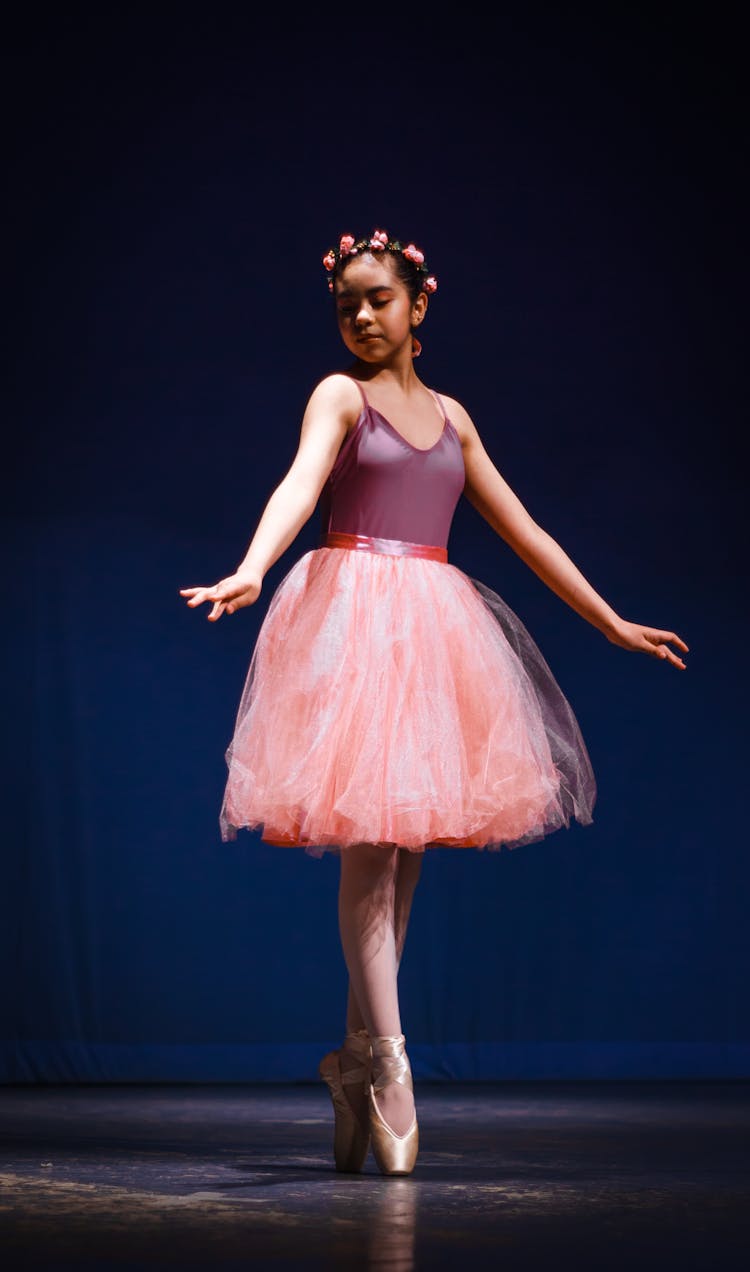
{"x": 394, "y": 1154}
{"x": 351, "y": 1139}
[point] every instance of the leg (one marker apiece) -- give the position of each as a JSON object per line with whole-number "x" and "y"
{"x": 407, "y": 877}
{"x": 367, "y": 922}
{"x": 409, "y": 870}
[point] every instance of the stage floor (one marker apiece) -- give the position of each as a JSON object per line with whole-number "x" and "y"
{"x": 603, "y": 1175}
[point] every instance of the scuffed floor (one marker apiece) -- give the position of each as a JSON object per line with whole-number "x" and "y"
{"x": 510, "y": 1176}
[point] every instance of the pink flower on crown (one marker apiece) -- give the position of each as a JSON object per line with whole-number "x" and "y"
{"x": 330, "y": 284}
{"x": 378, "y": 240}
{"x": 346, "y": 244}
{"x": 430, "y": 284}
{"x": 329, "y": 260}
{"x": 413, "y": 253}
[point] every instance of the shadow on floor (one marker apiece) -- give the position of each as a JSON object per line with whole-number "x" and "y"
{"x": 514, "y": 1175}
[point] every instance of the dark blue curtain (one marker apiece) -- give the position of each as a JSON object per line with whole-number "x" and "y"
{"x": 172, "y": 189}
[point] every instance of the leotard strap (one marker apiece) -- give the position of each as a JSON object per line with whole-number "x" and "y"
{"x": 364, "y": 395}
{"x": 438, "y": 399}
{"x": 441, "y": 407}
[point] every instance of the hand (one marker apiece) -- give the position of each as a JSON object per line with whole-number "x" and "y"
{"x": 648, "y": 640}
{"x": 230, "y": 594}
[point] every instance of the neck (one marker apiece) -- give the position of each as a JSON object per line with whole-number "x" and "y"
{"x": 400, "y": 374}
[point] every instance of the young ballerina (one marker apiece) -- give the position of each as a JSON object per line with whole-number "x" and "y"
{"x": 392, "y": 703}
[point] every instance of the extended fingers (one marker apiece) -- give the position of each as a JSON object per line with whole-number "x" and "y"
{"x": 667, "y": 637}
{"x": 197, "y": 595}
{"x": 656, "y": 644}
{"x": 655, "y": 636}
{"x": 675, "y": 660}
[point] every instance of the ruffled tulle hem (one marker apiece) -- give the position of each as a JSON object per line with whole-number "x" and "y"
{"x": 394, "y": 700}
{"x": 342, "y": 844}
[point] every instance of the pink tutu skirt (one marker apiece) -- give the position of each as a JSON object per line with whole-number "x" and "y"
{"x": 392, "y": 699}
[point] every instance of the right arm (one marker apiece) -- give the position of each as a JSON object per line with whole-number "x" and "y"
{"x": 332, "y": 409}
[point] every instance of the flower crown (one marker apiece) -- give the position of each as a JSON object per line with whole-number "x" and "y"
{"x": 379, "y": 242}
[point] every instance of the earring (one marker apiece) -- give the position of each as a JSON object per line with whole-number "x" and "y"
{"x": 416, "y": 347}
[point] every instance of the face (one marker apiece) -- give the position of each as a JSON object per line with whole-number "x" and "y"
{"x": 374, "y": 310}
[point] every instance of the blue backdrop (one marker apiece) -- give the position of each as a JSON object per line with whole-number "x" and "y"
{"x": 172, "y": 189}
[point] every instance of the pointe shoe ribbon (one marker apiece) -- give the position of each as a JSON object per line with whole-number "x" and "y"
{"x": 351, "y": 1139}
{"x": 394, "y": 1154}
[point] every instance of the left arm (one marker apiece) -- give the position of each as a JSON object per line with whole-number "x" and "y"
{"x": 494, "y": 500}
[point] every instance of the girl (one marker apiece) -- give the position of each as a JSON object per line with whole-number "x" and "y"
{"x": 392, "y": 703}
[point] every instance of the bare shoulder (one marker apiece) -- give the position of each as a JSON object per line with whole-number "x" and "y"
{"x": 459, "y": 418}
{"x": 331, "y": 412}
{"x": 337, "y": 394}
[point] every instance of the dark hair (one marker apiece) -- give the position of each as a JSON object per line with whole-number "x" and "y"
{"x": 413, "y": 273}
{"x": 405, "y": 270}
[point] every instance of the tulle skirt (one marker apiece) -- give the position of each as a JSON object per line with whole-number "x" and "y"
{"x": 393, "y": 699}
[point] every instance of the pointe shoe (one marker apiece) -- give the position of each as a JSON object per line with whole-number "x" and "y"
{"x": 351, "y": 1139}
{"x": 394, "y": 1154}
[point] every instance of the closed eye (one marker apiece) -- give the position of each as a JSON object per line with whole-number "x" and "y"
{"x": 347, "y": 311}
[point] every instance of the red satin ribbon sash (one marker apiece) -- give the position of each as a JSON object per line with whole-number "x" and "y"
{"x": 390, "y": 547}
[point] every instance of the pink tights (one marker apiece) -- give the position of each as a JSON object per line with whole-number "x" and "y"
{"x": 376, "y": 889}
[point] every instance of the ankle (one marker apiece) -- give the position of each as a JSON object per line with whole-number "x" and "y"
{"x": 390, "y": 1063}
{"x": 387, "y": 1044}
{"x": 359, "y": 1035}
{"x": 356, "y": 1046}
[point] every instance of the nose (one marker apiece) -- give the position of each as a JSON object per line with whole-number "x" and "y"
{"x": 363, "y": 315}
